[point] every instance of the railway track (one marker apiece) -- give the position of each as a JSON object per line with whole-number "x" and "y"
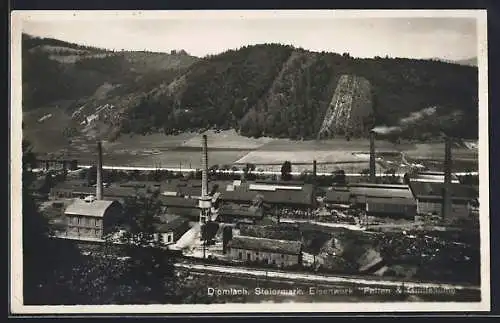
{"x": 311, "y": 278}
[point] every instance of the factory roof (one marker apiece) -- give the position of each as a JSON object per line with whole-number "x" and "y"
{"x": 169, "y": 222}
{"x": 238, "y": 195}
{"x": 304, "y": 197}
{"x": 114, "y": 191}
{"x": 238, "y": 211}
{"x": 183, "y": 211}
{"x": 140, "y": 184}
{"x": 266, "y": 245}
{"x": 282, "y": 231}
{"x": 186, "y": 187}
{"x": 279, "y": 182}
{"x": 70, "y": 184}
{"x": 336, "y": 195}
{"x": 380, "y": 186}
{"x": 395, "y": 201}
{"x": 176, "y": 201}
{"x": 432, "y": 177}
{"x": 301, "y": 197}
{"x": 190, "y": 191}
{"x": 422, "y": 190}
{"x": 384, "y": 191}
{"x": 95, "y": 208}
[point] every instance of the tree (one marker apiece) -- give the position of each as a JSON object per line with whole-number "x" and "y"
{"x": 35, "y": 231}
{"x": 43, "y": 258}
{"x": 149, "y": 268}
{"x": 258, "y": 200}
{"x": 339, "y": 177}
{"x": 286, "y": 169}
{"x": 227, "y": 235}
{"x": 92, "y": 175}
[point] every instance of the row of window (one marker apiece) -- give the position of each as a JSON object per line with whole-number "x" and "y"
{"x": 82, "y": 220}
{"x": 265, "y": 260}
{"x": 85, "y": 232}
{"x": 249, "y": 256}
{"x": 164, "y": 238}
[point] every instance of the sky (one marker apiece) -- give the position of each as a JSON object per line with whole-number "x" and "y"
{"x": 201, "y": 33}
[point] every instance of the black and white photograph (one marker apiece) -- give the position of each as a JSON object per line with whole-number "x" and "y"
{"x": 249, "y": 161}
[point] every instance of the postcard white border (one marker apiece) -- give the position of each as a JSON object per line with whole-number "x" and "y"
{"x": 16, "y": 287}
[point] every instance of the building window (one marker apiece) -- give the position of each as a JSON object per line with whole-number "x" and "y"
{"x": 282, "y": 256}
{"x": 249, "y": 256}
{"x": 240, "y": 255}
{"x": 96, "y": 232}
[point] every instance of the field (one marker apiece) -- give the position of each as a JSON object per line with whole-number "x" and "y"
{"x": 229, "y": 148}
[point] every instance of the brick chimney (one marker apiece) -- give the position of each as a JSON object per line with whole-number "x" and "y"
{"x": 204, "y": 166}
{"x": 99, "y": 189}
{"x": 446, "y": 208}
{"x": 315, "y": 170}
{"x": 372, "y": 157}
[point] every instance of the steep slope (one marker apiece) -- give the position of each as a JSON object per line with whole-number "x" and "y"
{"x": 350, "y": 110}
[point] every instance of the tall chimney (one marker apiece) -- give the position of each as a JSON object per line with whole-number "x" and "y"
{"x": 314, "y": 170}
{"x": 447, "y": 178}
{"x": 99, "y": 172}
{"x": 204, "y": 166}
{"x": 372, "y": 157}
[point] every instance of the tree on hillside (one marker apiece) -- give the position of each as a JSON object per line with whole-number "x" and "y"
{"x": 286, "y": 170}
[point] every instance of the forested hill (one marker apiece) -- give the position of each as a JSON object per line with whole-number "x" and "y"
{"x": 262, "y": 90}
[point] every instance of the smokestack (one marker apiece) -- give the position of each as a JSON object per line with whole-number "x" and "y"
{"x": 204, "y": 166}
{"x": 99, "y": 172}
{"x": 372, "y": 157}
{"x": 314, "y": 170}
{"x": 447, "y": 178}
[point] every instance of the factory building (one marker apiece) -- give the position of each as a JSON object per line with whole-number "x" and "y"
{"x": 432, "y": 177}
{"x": 240, "y": 214}
{"x": 391, "y": 207}
{"x": 360, "y": 192}
{"x": 70, "y": 190}
{"x": 276, "y": 196}
{"x": 357, "y": 194}
{"x": 429, "y": 198}
{"x": 338, "y": 196}
{"x": 170, "y": 228}
{"x": 279, "y": 253}
{"x": 57, "y": 164}
{"x": 185, "y": 207}
{"x": 91, "y": 218}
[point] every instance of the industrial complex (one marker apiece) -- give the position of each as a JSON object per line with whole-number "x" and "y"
{"x": 265, "y": 222}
